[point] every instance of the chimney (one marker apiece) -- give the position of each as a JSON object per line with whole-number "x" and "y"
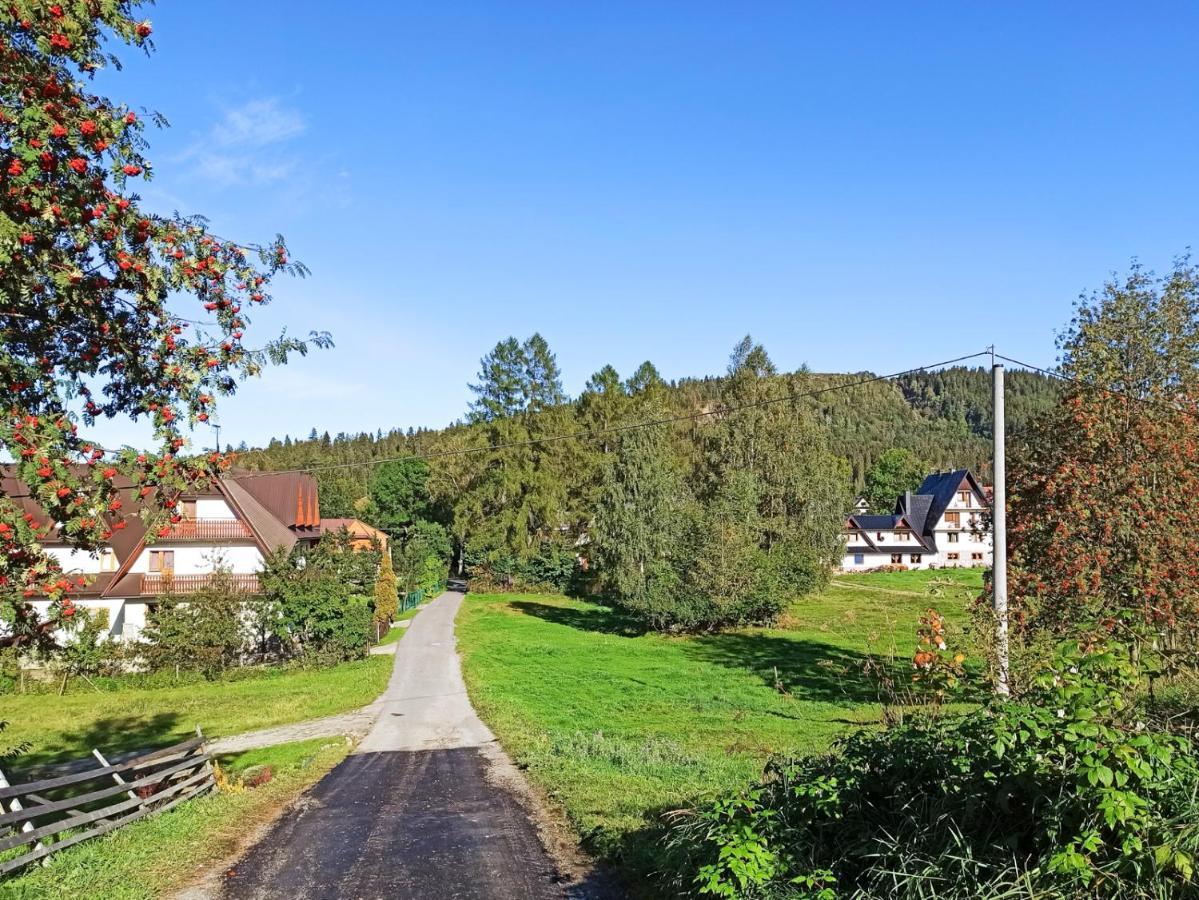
{"x": 907, "y": 501}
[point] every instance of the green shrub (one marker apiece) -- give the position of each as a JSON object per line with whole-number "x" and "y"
{"x": 1065, "y": 793}
{"x": 386, "y": 600}
{"x": 89, "y": 650}
{"x": 203, "y": 632}
{"x": 317, "y": 602}
{"x": 551, "y": 570}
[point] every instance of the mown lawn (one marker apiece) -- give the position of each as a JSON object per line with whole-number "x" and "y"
{"x": 130, "y": 714}
{"x": 619, "y": 727}
{"x": 161, "y": 854}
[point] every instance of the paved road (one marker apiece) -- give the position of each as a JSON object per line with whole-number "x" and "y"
{"x": 419, "y": 810}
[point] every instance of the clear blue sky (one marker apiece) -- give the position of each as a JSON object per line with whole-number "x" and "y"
{"x": 865, "y": 186}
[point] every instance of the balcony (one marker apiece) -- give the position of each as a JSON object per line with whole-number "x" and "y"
{"x": 155, "y": 583}
{"x": 209, "y": 530}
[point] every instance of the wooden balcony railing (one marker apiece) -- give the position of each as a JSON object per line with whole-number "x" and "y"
{"x": 209, "y": 530}
{"x": 155, "y": 583}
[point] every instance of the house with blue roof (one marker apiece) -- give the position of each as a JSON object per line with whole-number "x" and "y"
{"x": 944, "y": 523}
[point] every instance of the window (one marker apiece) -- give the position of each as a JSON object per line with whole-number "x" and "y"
{"x": 858, "y": 559}
{"x": 896, "y": 559}
{"x": 953, "y": 519}
{"x": 188, "y": 509}
{"x": 162, "y": 560}
{"x": 108, "y": 561}
{"x": 952, "y": 537}
{"x": 952, "y": 557}
{"x": 964, "y": 498}
{"x": 915, "y": 557}
{"x": 976, "y": 557}
{"x": 903, "y": 535}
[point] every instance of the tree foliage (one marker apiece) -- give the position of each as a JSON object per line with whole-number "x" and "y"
{"x": 386, "y": 599}
{"x": 94, "y": 287}
{"x": 895, "y": 471}
{"x": 735, "y": 532}
{"x": 317, "y": 600}
{"x": 205, "y": 631}
{"x": 1105, "y": 527}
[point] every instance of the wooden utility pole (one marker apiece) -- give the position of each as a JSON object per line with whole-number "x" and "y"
{"x": 999, "y": 532}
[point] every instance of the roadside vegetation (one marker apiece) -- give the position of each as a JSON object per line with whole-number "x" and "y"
{"x": 619, "y": 725}
{"x": 138, "y": 711}
{"x": 907, "y": 771}
{"x": 161, "y": 854}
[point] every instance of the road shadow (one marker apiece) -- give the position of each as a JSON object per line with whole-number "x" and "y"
{"x": 602, "y": 619}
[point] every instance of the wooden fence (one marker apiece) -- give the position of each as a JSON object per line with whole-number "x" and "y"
{"x": 52, "y": 814}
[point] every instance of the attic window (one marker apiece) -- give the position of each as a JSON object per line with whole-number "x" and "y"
{"x": 903, "y": 535}
{"x": 964, "y": 497}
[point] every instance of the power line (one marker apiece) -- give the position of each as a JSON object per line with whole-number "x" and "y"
{"x": 1088, "y": 385}
{"x": 615, "y": 429}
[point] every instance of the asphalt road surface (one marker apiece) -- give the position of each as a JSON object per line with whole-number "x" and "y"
{"x": 419, "y": 810}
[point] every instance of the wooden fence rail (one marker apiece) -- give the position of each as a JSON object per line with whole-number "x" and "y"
{"x": 68, "y": 809}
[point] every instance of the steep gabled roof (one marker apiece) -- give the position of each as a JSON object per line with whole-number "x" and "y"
{"x": 268, "y": 530}
{"x": 943, "y": 485}
{"x": 290, "y": 497}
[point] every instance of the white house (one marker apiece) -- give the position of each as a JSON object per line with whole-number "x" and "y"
{"x": 232, "y": 525}
{"x": 945, "y": 523}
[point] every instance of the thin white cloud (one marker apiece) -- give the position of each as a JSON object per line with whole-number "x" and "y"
{"x": 257, "y": 123}
{"x": 248, "y": 145}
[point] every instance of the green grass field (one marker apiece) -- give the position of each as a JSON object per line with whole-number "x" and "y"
{"x": 158, "y": 855}
{"x": 619, "y": 727}
{"x": 126, "y": 716}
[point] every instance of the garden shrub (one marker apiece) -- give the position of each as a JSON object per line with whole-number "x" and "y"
{"x": 317, "y": 602}
{"x": 553, "y": 569}
{"x": 1064, "y": 793}
{"x": 203, "y": 632}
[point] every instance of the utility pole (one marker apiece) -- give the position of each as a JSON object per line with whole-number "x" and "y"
{"x": 999, "y": 531}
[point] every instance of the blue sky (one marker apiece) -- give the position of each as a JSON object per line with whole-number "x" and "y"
{"x": 865, "y": 186}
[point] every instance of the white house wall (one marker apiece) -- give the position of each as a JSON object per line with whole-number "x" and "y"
{"x": 202, "y": 559}
{"x": 71, "y": 559}
{"x": 213, "y": 508}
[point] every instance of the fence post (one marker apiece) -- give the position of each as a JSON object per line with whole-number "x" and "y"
{"x": 14, "y": 805}
{"x": 116, "y": 776}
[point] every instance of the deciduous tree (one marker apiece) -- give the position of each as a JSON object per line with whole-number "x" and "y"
{"x": 1104, "y": 524}
{"x": 93, "y": 292}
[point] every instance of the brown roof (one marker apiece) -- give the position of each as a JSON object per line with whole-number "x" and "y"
{"x": 270, "y": 532}
{"x": 280, "y": 508}
{"x": 355, "y": 527}
{"x": 291, "y": 497}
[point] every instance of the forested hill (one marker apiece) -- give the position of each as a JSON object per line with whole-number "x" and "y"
{"x": 944, "y": 417}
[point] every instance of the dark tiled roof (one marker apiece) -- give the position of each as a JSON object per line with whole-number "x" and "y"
{"x": 942, "y": 486}
{"x": 874, "y": 523}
